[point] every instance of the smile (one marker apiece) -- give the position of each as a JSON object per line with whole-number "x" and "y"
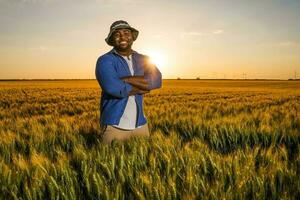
{"x": 123, "y": 42}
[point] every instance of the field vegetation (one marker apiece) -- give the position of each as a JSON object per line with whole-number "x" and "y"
{"x": 209, "y": 140}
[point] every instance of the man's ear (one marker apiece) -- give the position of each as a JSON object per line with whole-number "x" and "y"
{"x": 112, "y": 41}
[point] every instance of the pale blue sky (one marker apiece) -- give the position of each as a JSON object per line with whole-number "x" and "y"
{"x": 210, "y": 39}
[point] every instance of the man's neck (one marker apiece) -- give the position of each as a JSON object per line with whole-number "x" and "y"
{"x": 125, "y": 53}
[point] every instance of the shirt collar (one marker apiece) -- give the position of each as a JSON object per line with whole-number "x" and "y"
{"x": 115, "y": 52}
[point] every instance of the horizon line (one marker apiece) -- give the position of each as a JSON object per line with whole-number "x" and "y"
{"x": 197, "y": 79}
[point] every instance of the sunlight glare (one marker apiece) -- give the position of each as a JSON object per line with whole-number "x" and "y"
{"x": 157, "y": 58}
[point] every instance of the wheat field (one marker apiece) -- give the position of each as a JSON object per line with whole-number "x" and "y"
{"x": 210, "y": 139}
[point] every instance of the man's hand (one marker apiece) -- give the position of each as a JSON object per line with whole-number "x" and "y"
{"x": 136, "y": 90}
{"x": 137, "y": 81}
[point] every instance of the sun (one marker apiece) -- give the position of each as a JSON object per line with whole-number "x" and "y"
{"x": 157, "y": 58}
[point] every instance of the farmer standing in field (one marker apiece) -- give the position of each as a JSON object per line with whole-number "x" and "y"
{"x": 124, "y": 76}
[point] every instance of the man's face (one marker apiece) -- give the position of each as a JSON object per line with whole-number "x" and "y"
{"x": 122, "y": 39}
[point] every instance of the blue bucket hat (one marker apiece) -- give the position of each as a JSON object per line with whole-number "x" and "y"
{"x": 117, "y": 25}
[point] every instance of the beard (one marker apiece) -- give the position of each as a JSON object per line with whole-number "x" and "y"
{"x": 123, "y": 47}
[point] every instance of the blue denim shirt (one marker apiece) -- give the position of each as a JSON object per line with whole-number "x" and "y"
{"x": 110, "y": 68}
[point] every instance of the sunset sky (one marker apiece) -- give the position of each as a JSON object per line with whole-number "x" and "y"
{"x": 187, "y": 38}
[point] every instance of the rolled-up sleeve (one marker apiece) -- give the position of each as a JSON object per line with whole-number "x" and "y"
{"x": 152, "y": 74}
{"x": 108, "y": 79}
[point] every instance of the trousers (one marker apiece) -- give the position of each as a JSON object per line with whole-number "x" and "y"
{"x": 109, "y": 133}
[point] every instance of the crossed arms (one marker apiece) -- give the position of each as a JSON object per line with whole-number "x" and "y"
{"x": 126, "y": 86}
{"x": 139, "y": 84}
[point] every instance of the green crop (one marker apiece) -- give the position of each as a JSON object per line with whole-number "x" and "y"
{"x": 209, "y": 140}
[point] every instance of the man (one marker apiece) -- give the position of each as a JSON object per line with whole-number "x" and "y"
{"x": 124, "y": 76}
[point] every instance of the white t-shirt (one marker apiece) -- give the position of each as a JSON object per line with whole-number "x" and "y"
{"x": 128, "y": 119}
